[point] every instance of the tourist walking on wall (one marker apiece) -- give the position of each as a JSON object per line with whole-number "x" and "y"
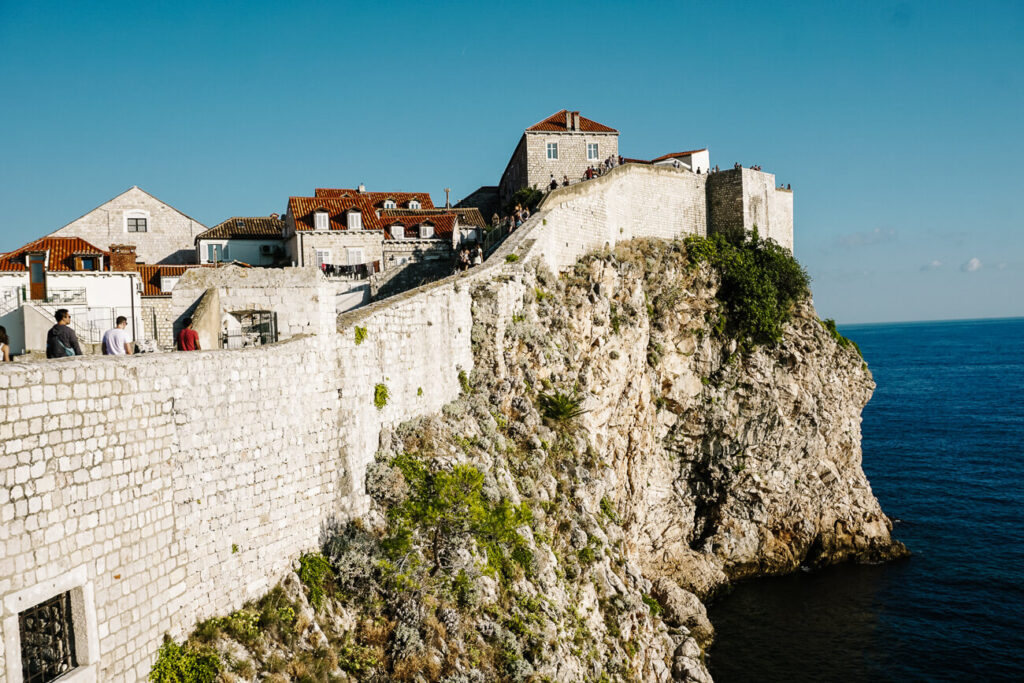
{"x": 5, "y": 345}
{"x": 115, "y": 340}
{"x": 478, "y": 255}
{"x": 61, "y": 340}
{"x": 188, "y": 339}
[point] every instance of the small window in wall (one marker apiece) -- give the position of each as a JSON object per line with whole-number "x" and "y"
{"x": 397, "y": 231}
{"x": 389, "y": 204}
{"x": 47, "y": 633}
{"x": 137, "y": 225}
{"x": 355, "y": 257}
{"x": 355, "y": 220}
{"x": 552, "y": 150}
{"x": 216, "y": 253}
{"x": 426, "y": 230}
{"x": 88, "y": 263}
{"x": 592, "y": 153}
{"x": 323, "y": 257}
{"x": 167, "y": 283}
{"x": 320, "y": 221}
{"x": 414, "y": 204}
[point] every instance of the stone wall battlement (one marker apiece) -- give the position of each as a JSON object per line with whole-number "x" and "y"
{"x": 168, "y": 488}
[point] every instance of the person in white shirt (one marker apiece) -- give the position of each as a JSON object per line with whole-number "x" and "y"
{"x": 115, "y": 340}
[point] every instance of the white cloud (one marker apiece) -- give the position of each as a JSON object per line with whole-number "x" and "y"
{"x": 972, "y": 265}
{"x": 932, "y": 265}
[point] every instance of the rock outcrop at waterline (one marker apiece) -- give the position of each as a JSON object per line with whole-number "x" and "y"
{"x": 613, "y": 460}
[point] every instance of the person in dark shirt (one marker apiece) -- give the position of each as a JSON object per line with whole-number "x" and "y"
{"x": 188, "y": 339}
{"x": 61, "y": 340}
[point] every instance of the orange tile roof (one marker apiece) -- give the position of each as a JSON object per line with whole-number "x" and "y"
{"x": 241, "y": 227}
{"x": 377, "y": 199}
{"x": 556, "y": 124}
{"x": 676, "y": 155}
{"x": 62, "y": 251}
{"x": 468, "y": 215}
{"x": 444, "y": 224}
{"x": 151, "y": 274}
{"x": 302, "y": 209}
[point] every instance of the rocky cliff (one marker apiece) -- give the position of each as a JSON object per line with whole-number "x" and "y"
{"x": 615, "y": 459}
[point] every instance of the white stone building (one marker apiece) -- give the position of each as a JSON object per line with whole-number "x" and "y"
{"x": 257, "y": 241}
{"x": 564, "y": 144}
{"x": 65, "y": 272}
{"x": 159, "y": 232}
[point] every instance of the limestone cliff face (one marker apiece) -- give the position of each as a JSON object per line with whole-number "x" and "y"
{"x": 694, "y": 464}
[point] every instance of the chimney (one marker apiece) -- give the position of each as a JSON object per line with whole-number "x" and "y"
{"x": 362, "y": 188}
{"x": 575, "y": 120}
{"x": 274, "y": 216}
{"x": 122, "y": 258}
{"x": 568, "y": 120}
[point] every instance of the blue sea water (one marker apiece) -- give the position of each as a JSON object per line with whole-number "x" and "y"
{"x": 943, "y": 441}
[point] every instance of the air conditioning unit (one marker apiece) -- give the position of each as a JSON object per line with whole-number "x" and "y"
{"x": 266, "y": 249}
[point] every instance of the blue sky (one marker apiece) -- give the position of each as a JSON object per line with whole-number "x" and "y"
{"x": 897, "y": 123}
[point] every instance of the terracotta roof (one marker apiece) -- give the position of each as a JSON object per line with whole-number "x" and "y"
{"x": 556, "y": 124}
{"x": 62, "y": 251}
{"x": 444, "y": 224}
{"x": 377, "y": 199}
{"x": 302, "y": 209}
{"x": 151, "y": 274}
{"x": 469, "y": 215}
{"x": 240, "y": 227}
{"x": 676, "y": 155}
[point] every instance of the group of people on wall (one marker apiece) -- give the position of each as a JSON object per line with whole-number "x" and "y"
{"x": 62, "y": 340}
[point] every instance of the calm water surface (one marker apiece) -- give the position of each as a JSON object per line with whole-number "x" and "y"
{"x": 943, "y": 441}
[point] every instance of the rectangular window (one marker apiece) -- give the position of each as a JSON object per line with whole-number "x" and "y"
{"x": 88, "y": 263}
{"x": 320, "y": 218}
{"x": 167, "y": 283}
{"x": 136, "y": 225}
{"x": 592, "y": 154}
{"x": 355, "y": 257}
{"x": 214, "y": 253}
{"x": 47, "y": 640}
{"x": 323, "y": 257}
{"x": 355, "y": 220}
{"x": 552, "y": 150}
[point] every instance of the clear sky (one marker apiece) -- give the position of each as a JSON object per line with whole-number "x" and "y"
{"x": 898, "y": 124}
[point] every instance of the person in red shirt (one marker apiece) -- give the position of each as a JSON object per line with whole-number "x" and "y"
{"x": 188, "y": 339}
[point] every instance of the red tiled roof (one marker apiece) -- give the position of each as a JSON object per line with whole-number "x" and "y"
{"x": 240, "y": 227}
{"x": 377, "y": 199}
{"x": 676, "y": 155}
{"x": 151, "y": 274}
{"x": 556, "y": 124}
{"x": 444, "y": 224}
{"x": 302, "y": 209}
{"x": 62, "y": 251}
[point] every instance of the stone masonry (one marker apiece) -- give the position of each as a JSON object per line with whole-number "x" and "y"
{"x": 168, "y": 488}
{"x": 169, "y": 237}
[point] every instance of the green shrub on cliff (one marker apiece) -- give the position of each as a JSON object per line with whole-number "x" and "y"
{"x": 760, "y": 283}
{"x": 560, "y": 406}
{"x": 184, "y": 664}
{"x": 444, "y": 505}
{"x": 830, "y": 325}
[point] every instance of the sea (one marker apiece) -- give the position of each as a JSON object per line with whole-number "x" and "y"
{"x": 943, "y": 441}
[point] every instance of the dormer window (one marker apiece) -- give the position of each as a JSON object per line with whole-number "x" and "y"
{"x": 355, "y": 220}
{"x": 414, "y": 204}
{"x": 390, "y": 204}
{"x": 320, "y": 220}
{"x": 397, "y": 231}
{"x": 426, "y": 230}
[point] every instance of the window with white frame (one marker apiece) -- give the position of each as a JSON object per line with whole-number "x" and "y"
{"x": 323, "y": 257}
{"x": 426, "y": 230}
{"x": 321, "y": 221}
{"x": 216, "y": 253}
{"x": 355, "y": 256}
{"x": 167, "y": 283}
{"x": 552, "y": 150}
{"x": 397, "y": 231}
{"x": 414, "y": 204}
{"x": 390, "y": 204}
{"x": 592, "y": 153}
{"x": 355, "y": 220}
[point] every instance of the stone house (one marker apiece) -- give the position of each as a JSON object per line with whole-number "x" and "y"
{"x": 696, "y": 160}
{"x": 564, "y": 144}
{"x": 51, "y": 273}
{"x": 159, "y": 232}
{"x": 256, "y": 240}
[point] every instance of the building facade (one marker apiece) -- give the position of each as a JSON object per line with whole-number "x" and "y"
{"x": 159, "y": 232}
{"x": 256, "y": 240}
{"x": 563, "y": 145}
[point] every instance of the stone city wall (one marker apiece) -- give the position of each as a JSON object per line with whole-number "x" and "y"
{"x": 163, "y": 489}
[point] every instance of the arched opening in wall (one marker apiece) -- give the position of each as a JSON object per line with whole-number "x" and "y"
{"x": 240, "y": 329}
